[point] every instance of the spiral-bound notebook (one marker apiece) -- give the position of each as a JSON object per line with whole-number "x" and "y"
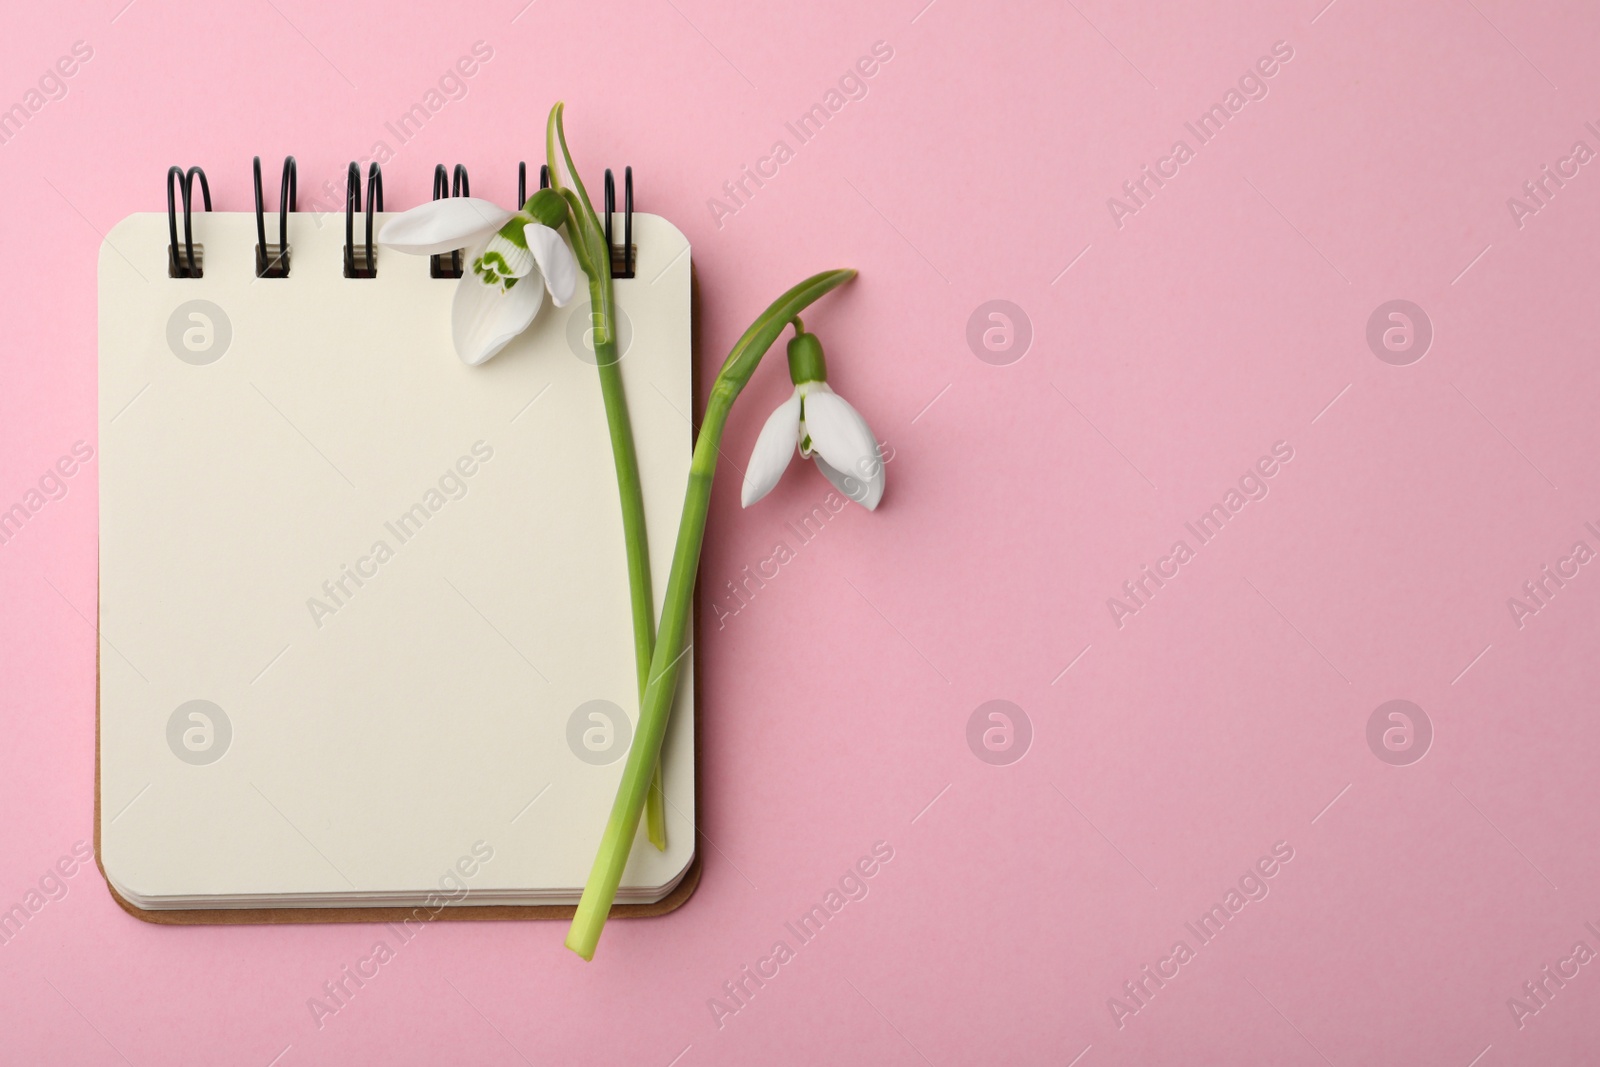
{"x": 365, "y": 641}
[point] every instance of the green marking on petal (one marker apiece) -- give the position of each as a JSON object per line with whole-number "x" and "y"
{"x": 513, "y": 230}
{"x": 492, "y": 269}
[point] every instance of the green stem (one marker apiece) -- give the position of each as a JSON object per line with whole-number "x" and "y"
{"x": 640, "y": 590}
{"x": 621, "y": 828}
{"x": 595, "y": 257}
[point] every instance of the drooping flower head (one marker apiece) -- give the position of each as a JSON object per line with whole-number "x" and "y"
{"x": 513, "y": 257}
{"x": 822, "y": 426}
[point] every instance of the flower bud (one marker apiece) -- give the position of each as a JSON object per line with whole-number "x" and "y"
{"x": 805, "y": 358}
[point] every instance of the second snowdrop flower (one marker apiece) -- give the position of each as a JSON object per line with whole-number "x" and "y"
{"x": 513, "y": 257}
{"x": 822, "y": 426}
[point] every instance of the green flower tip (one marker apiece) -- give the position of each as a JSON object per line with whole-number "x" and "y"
{"x": 547, "y": 208}
{"x": 806, "y": 363}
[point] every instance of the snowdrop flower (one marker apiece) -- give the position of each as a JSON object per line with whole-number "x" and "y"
{"x": 512, "y": 258}
{"x": 823, "y": 426}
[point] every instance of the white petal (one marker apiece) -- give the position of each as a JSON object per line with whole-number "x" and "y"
{"x": 484, "y": 318}
{"x": 864, "y": 491}
{"x": 774, "y": 448}
{"x": 443, "y": 225}
{"x": 556, "y": 262}
{"x": 841, "y": 437}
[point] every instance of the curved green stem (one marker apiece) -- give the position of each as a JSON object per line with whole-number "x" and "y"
{"x": 601, "y": 889}
{"x": 595, "y": 257}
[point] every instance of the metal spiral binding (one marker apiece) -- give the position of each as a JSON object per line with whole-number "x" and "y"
{"x": 365, "y": 264}
{"x": 621, "y": 265}
{"x": 272, "y": 261}
{"x": 189, "y": 266}
{"x": 522, "y": 181}
{"x": 361, "y": 261}
{"x": 448, "y": 264}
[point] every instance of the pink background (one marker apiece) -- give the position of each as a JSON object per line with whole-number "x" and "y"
{"x": 1229, "y": 714}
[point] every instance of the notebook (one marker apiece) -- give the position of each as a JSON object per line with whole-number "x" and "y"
{"x": 365, "y": 632}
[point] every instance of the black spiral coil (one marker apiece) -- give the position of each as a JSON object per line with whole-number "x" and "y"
{"x": 186, "y": 266}
{"x": 273, "y": 261}
{"x": 448, "y": 264}
{"x": 361, "y": 261}
{"x": 354, "y": 266}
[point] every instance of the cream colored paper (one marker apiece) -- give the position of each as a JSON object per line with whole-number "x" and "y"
{"x": 385, "y": 735}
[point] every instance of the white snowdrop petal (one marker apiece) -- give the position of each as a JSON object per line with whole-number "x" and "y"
{"x": 484, "y": 318}
{"x": 866, "y": 491}
{"x": 841, "y": 436}
{"x": 774, "y": 448}
{"x": 443, "y": 225}
{"x": 556, "y": 262}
